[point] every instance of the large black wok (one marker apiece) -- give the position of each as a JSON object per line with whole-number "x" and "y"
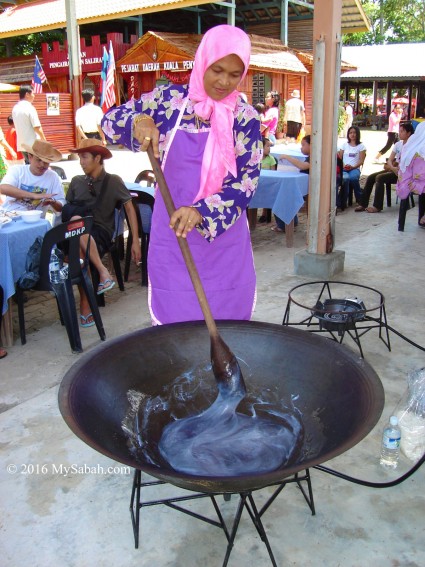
{"x": 339, "y": 394}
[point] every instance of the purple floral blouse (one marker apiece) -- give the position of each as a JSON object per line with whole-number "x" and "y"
{"x": 219, "y": 211}
{"x": 412, "y": 179}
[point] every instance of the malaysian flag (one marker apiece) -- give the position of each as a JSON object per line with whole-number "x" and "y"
{"x": 39, "y": 77}
{"x": 103, "y": 74}
{"x": 110, "y": 87}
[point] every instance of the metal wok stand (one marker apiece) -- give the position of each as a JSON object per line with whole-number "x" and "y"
{"x": 246, "y": 501}
{"x": 354, "y": 324}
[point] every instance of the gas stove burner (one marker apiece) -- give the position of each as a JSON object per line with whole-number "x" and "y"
{"x": 339, "y": 314}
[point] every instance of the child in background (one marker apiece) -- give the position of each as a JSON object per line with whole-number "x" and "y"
{"x": 268, "y": 162}
{"x": 261, "y": 109}
{"x": 11, "y": 139}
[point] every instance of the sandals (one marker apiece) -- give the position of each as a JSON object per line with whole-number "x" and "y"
{"x": 277, "y": 229}
{"x": 3, "y": 353}
{"x": 372, "y": 210}
{"x": 421, "y": 222}
{"x": 359, "y": 209}
{"x": 105, "y": 286}
{"x": 84, "y": 321}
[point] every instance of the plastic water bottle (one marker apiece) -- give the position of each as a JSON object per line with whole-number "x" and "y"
{"x": 390, "y": 450}
{"x": 54, "y": 267}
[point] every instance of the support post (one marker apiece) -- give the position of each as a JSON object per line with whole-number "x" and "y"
{"x": 320, "y": 259}
{"x": 73, "y": 37}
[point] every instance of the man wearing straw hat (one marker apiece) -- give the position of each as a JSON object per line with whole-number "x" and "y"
{"x": 34, "y": 186}
{"x": 99, "y": 194}
{"x": 294, "y": 115}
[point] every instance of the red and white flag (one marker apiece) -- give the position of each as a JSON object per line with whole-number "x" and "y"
{"x": 38, "y": 78}
{"x": 110, "y": 86}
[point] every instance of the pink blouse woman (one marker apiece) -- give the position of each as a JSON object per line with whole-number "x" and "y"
{"x": 411, "y": 173}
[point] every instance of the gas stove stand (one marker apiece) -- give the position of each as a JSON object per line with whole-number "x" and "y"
{"x": 328, "y": 313}
{"x": 246, "y": 501}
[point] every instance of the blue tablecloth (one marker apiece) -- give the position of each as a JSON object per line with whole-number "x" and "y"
{"x": 281, "y": 191}
{"x": 278, "y": 149}
{"x": 15, "y": 240}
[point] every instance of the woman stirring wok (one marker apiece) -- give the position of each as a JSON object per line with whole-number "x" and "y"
{"x": 209, "y": 143}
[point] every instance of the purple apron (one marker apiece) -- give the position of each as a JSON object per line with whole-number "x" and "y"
{"x": 226, "y": 265}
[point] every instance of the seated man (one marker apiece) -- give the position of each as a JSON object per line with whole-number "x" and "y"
{"x": 98, "y": 193}
{"x": 34, "y": 186}
{"x": 388, "y": 175}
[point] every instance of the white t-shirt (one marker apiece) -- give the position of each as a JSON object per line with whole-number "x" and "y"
{"x": 88, "y": 117}
{"x": 294, "y": 108}
{"x": 397, "y": 150}
{"x": 352, "y": 153}
{"x": 21, "y": 177}
{"x": 25, "y": 119}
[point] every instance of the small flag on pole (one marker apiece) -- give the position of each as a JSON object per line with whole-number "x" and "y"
{"x": 103, "y": 75}
{"x": 110, "y": 88}
{"x": 39, "y": 77}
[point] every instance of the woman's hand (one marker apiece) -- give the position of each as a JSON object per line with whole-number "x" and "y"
{"x": 184, "y": 220}
{"x": 146, "y": 132}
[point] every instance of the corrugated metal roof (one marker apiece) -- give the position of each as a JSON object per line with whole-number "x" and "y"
{"x": 280, "y": 61}
{"x": 50, "y": 14}
{"x": 403, "y": 60}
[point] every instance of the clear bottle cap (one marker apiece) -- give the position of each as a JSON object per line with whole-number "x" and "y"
{"x": 394, "y": 420}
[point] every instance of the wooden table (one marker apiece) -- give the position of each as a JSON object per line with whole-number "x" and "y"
{"x": 283, "y": 191}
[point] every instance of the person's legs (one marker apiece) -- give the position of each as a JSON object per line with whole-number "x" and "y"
{"x": 367, "y": 190}
{"x": 354, "y": 179}
{"x": 291, "y": 129}
{"x": 280, "y": 225}
{"x": 342, "y": 195}
{"x": 95, "y": 259}
{"x": 381, "y": 180}
{"x": 391, "y": 138}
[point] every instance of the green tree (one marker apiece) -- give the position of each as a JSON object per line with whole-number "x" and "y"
{"x": 29, "y": 44}
{"x": 392, "y": 21}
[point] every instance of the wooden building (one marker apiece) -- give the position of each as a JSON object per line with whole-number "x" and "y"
{"x": 167, "y": 57}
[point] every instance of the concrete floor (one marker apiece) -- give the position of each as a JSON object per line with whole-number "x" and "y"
{"x": 50, "y": 517}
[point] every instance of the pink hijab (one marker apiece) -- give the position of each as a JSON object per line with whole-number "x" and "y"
{"x": 219, "y": 155}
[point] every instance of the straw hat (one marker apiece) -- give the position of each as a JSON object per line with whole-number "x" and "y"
{"x": 43, "y": 150}
{"x": 295, "y": 93}
{"x": 93, "y": 146}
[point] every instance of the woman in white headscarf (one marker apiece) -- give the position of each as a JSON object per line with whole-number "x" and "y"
{"x": 411, "y": 174}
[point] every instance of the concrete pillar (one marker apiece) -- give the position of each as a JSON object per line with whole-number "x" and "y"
{"x": 320, "y": 260}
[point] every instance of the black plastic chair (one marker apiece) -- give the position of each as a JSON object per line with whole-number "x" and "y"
{"x": 405, "y": 206}
{"x": 143, "y": 204}
{"x": 59, "y": 171}
{"x": 69, "y": 234}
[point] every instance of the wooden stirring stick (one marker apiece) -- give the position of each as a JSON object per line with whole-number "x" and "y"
{"x": 226, "y": 368}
